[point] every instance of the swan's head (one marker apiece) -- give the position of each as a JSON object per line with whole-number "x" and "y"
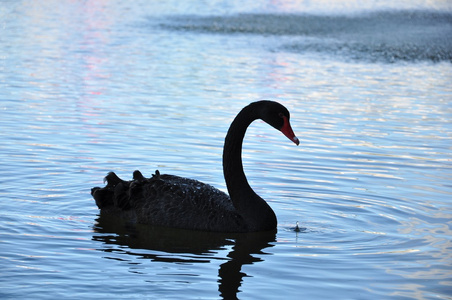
{"x": 278, "y": 116}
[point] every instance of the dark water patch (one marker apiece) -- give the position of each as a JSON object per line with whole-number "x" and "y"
{"x": 378, "y": 52}
{"x": 379, "y": 36}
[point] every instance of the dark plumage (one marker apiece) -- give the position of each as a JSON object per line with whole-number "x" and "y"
{"x": 168, "y": 200}
{"x": 147, "y": 198}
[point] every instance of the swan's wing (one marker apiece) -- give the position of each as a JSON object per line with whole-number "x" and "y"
{"x": 169, "y": 200}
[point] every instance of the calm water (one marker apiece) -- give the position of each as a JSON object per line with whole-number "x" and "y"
{"x": 88, "y": 87}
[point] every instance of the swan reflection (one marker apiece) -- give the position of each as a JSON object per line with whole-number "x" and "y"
{"x": 155, "y": 243}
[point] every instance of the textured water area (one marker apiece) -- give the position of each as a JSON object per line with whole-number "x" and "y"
{"x": 88, "y": 87}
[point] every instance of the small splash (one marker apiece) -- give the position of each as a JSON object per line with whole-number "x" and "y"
{"x": 297, "y": 228}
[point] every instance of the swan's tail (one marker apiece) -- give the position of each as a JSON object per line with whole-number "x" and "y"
{"x": 120, "y": 193}
{"x": 105, "y": 197}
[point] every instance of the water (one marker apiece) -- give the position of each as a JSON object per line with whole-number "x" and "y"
{"x": 91, "y": 87}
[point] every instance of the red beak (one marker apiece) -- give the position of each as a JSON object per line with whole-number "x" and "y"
{"x": 287, "y": 131}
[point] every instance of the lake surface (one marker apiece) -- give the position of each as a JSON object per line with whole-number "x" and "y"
{"x": 88, "y": 87}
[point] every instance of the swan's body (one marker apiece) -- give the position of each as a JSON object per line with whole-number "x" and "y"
{"x": 173, "y": 201}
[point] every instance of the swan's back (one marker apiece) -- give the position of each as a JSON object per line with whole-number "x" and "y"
{"x": 168, "y": 200}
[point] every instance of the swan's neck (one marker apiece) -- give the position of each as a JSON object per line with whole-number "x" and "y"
{"x": 255, "y": 211}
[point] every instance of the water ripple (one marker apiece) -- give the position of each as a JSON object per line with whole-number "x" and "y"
{"x": 386, "y": 36}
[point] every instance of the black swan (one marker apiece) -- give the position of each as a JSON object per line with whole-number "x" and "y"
{"x": 172, "y": 201}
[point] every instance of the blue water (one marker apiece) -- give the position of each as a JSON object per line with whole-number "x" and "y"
{"x": 88, "y": 87}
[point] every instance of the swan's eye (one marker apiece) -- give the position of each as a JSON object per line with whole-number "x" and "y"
{"x": 281, "y": 115}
